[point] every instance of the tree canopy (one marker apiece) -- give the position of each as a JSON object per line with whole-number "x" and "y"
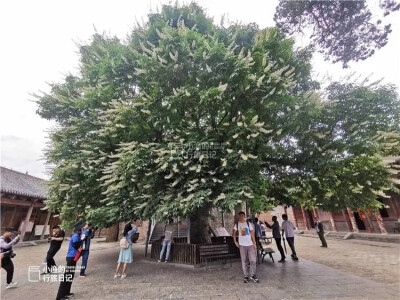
{"x": 187, "y": 115}
{"x": 343, "y": 31}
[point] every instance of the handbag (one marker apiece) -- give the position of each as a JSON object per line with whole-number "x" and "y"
{"x": 123, "y": 243}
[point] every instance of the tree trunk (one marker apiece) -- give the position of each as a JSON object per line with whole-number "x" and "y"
{"x": 147, "y": 237}
{"x": 199, "y": 226}
{"x": 112, "y": 233}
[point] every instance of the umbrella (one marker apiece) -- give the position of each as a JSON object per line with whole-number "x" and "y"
{"x": 284, "y": 245}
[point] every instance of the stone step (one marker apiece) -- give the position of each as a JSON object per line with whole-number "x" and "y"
{"x": 158, "y": 232}
{"x": 375, "y": 237}
{"x": 336, "y": 235}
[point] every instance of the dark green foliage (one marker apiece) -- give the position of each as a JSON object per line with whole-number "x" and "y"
{"x": 130, "y": 123}
{"x": 343, "y": 31}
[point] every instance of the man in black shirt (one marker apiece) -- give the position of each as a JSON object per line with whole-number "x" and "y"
{"x": 55, "y": 244}
{"x": 277, "y": 236}
{"x": 319, "y": 227}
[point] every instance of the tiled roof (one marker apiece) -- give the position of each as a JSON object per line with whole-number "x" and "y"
{"x": 21, "y": 184}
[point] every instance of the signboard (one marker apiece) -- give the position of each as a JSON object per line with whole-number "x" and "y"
{"x": 29, "y": 227}
{"x": 222, "y": 231}
{"x": 39, "y": 229}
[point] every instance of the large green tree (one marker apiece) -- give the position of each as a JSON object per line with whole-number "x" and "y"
{"x": 187, "y": 116}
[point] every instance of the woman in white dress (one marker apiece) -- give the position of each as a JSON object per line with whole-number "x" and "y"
{"x": 125, "y": 254}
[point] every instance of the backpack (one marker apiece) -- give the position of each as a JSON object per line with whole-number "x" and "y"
{"x": 123, "y": 243}
{"x": 6, "y": 241}
{"x": 3, "y": 241}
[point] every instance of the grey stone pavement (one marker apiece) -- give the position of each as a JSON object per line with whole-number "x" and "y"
{"x": 146, "y": 279}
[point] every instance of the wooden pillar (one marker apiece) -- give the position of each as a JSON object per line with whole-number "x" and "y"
{"x": 304, "y": 218}
{"x": 370, "y": 227}
{"x": 27, "y": 218}
{"x": 178, "y": 225}
{"x": 46, "y": 223}
{"x": 51, "y": 221}
{"x": 396, "y": 202}
{"x": 332, "y": 220}
{"x": 294, "y": 218}
{"x": 381, "y": 225}
{"x": 394, "y": 207}
{"x": 188, "y": 230}
{"x": 347, "y": 220}
{"x": 352, "y": 220}
{"x": 11, "y": 221}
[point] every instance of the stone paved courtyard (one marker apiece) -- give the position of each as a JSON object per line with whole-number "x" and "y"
{"x": 377, "y": 261}
{"x": 350, "y": 269}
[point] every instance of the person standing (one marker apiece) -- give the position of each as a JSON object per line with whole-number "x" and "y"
{"x": 55, "y": 244}
{"x": 6, "y": 244}
{"x": 319, "y": 227}
{"x": 263, "y": 229}
{"x": 168, "y": 240}
{"x": 277, "y": 236}
{"x": 258, "y": 231}
{"x": 248, "y": 247}
{"x": 125, "y": 254}
{"x": 64, "y": 291}
{"x": 86, "y": 236}
{"x": 258, "y": 236}
{"x": 288, "y": 231}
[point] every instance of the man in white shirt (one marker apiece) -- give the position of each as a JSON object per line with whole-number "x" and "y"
{"x": 288, "y": 230}
{"x": 247, "y": 246}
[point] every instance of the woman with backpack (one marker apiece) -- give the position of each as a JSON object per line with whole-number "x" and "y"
{"x": 125, "y": 254}
{"x": 7, "y": 254}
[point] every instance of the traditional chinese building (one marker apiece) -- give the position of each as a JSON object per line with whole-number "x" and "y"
{"x": 22, "y": 204}
{"x": 384, "y": 221}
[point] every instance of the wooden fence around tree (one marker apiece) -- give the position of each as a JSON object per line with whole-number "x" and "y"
{"x": 187, "y": 253}
{"x": 181, "y": 253}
